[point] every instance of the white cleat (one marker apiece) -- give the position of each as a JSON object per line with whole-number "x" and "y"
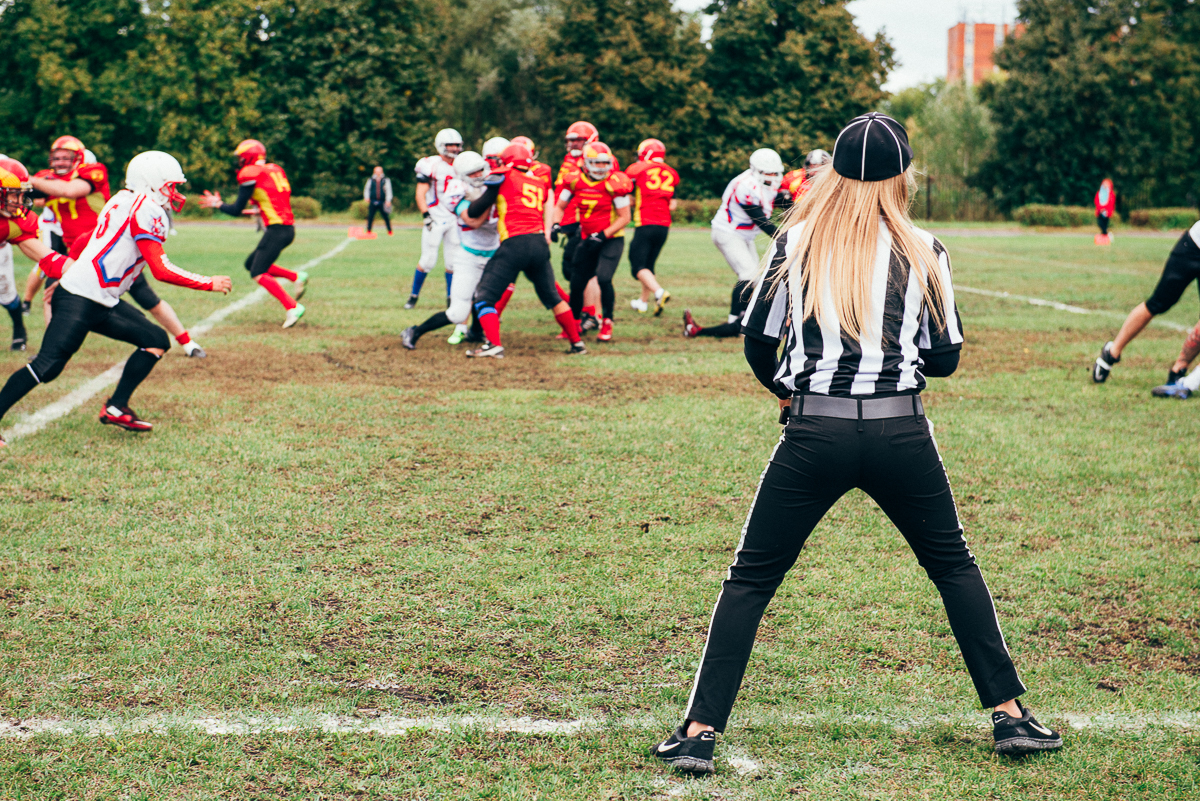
{"x": 293, "y": 316}
{"x": 194, "y": 350}
{"x": 640, "y": 306}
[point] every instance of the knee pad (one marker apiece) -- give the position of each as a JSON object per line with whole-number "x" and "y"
{"x": 160, "y": 340}
{"x": 458, "y": 311}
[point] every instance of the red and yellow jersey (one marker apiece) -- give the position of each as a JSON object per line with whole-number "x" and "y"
{"x": 521, "y": 204}
{"x": 654, "y": 185}
{"x": 542, "y": 171}
{"x": 75, "y": 215}
{"x": 795, "y": 183}
{"x": 272, "y": 192}
{"x": 19, "y": 228}
{"x": 568, "y": 171}
{"x": 597, "y": 201}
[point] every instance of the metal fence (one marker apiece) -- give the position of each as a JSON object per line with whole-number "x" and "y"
{"x": 949, "y": 200}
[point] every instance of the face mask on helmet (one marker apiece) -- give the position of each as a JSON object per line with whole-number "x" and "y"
{"x": 15, "y": 188}
{"x": 471, "y": 168}
{"x": 174, "y": 197}
{"x": 598, "y": 168}
{"x": 492, "y": 149}
{"x": 14, "y": 201}
{"x": 448, "y": 143}
{"x": 767, "y": 168}
{"x": 63, "y": 161}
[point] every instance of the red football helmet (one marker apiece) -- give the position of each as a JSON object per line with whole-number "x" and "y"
{"x": 15, "y": 187}
{"x": 527, "y": 142}
{"x": 652, "y": 150}
{"x": 597, "y": 160}
{"x": 71, "y": 158}
{"x": 250, "y": 151}
{"x": 517, "y": 156}
{"x": 578, "y": 135}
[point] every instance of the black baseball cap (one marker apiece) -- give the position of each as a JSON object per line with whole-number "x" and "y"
{"x": 873, "y": 147}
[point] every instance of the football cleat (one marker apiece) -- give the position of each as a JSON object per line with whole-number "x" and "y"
{"x": 589, "y": 322}
{"x": 1173, "y": 376}
{"x": 1104, "y": 365}
{"x": 1176, "y": 390}
{"x": 301, "y": 284}
{"x": 577, "y": 348}
{"x": 25, "y": 306}
{"x": 689, "y": 754}
{"x": 690, "y": 329}
{"x": 123, "y": 417}
{"x": 1022, "y": 735}
{"x": 293, "y": 316}
{"x": 605, "y": 334}
{"x": 194, "y": 350}
{"x": 412, "y": 301}
{"x": 638, "y": 305}
{"x": 488, "y": 350}
{"x": 408, "y": 338}
{"x": 460, "y": 334}
{"x": 18, "y": 343}
{"x": 474, "y": 336}
{"x": 661, "y": 303}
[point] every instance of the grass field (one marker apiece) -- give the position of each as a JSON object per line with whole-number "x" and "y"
{"x": 325, "y": 523}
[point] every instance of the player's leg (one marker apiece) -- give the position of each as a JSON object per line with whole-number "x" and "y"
{"x": 387, "y": 219}
{"x": 274, "y": 240}
{"x": 451, "y": 247}
{"x": 126, "y": 324}
{"x": 583, "y": 272}
{"x": 32, "y": 284}
{"x": 371, "y": 208}
{"x": 540, "y": 272}
{"x": 571, "y": 240}
{"x": 591, "y": 303}
{"x": 606, "y": 268}
{"x": 144, "y": 295}
{"x": 742, "y": 257}
{"x": 648, "y": 241}
{"x": 9, "y": 298}
{"x": 1180, "y": 385}
{"x": 468, "y": 270}
{"x": 501, "y": 270}
{"x": 431, "y": 239}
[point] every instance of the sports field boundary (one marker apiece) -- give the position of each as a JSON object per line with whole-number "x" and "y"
{"x": 1064, "y": 307}
{"x": 35, "y": 422}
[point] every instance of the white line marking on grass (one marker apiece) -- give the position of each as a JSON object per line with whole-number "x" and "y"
{"x": 1054, "y": 304}
{"x": 35, "y": 422}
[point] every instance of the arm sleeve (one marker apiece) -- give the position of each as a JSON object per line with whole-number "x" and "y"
{"x": 481, "y": 204}
{"x": 164, "y": 270}
{"x": 53, "y": 265}
{"x": 763, "y": 360}
{"x": 759, "y": 217}
{"x": 245, "y": 192}
{"x": 938, "y": 365}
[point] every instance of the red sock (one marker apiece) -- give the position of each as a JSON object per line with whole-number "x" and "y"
{"x": 279, "y": 272}
{"x": 569, "y": 326}
{"x": 271, "y": 285}
{"x": 183, "y": 338}
{"x": 490, "y": 323}
{"x": 590, "y": 310}
{"x": 562, "y": 293}
{"x": 508, "y": 293}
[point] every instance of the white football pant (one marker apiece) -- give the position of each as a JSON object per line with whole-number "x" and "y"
{"x": 468, "y": 267}
{"x": 8, "y": 280}
{"x": 442, "y": 233}
{"x": 739, "y": 252}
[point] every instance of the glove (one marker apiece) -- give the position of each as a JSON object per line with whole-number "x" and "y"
{"x": 427, "y": 221}
{"x": 595, "y": 240}
{"x": 210, "y": 200}
{"x": 497, "y": 176}
{"x": 554, "y": 232}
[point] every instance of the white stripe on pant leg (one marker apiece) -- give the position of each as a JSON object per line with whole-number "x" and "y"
{"x": 729, "y": 573}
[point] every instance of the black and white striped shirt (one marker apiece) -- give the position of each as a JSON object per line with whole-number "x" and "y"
{"x": 886, "y": 359}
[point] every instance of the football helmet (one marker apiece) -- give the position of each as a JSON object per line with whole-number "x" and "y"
{"x": 15, "y": 187}
{"x": 527, "y": 142}
{"x": 517, "y": 156}
{"x": 492, "y": 149}
{"x": 446, "y": 139}
{"x": 815, "y": 161}
{"x": 578, "y": 135}
{"x": 248, "y": 151}
{"x": 767, "y": 168}
{"x": 71, "y": 157}
{"x": 157, "y": 174}
{"x": 652, "y": 150}
{"x": 597, "y": 160}
{"x": 471, "y": 168}
{"x": 89, "y": 157}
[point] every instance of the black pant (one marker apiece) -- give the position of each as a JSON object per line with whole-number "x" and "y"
{"x": 142, "y": 293}
{"x": 272, "y": 243}
{"x": 600, "y": 261}
{"x": 648, "y": 241}
{"x": 1182, "y": 267}
{"x": 817, "y": 461}
{"x": 570, "y": 234}
{"x": 1102, "y": 221}
{"x": 525, "y": 253}
{"x": 377, "y": 208}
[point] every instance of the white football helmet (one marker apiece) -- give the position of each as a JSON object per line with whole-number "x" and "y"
{"x": 471, "y": 168}
{"x": 156, "y": 174}
{"x": 446, "y": 138}
{"x": 767, "y": 168}
{"x": 89, "y": 157}
{"x": 492, "y": 149}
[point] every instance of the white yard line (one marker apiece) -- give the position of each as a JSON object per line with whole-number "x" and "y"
{"x": 35, "y": 422}
{"x": 1054, "y": 304}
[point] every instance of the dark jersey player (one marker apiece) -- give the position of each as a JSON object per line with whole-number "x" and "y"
{"x": 267, "y": 185}
{"x": 654, "y": 185}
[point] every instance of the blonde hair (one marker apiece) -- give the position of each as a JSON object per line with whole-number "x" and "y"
{"x": 838, "y": 243}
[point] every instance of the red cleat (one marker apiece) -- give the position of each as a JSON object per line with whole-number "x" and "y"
{"x": 605, "y": 334}
{"x": 690, "y": 329}
{"x": 123, "y": 417}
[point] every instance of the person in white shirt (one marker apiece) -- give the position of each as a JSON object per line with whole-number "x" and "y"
{"x": 434, "y": 174}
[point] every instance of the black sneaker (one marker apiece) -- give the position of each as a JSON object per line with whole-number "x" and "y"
{"x": 412, "y": 301}
{"x": 18, "y": 343}
{"x": 577, "y": 348}
{"x": 25, "y": 307}
{"x": 690, "y": 754}
{"x": 1104, "y": 365}
{"x": 589, "y": 323}
{"x": 408, "y": 337}
{"x": 1173, "y": 376}
{"x": 1022, "y": 735}
{"x": 1176, "y": 390}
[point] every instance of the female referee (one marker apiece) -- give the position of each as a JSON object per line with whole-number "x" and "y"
{"x": 864, "y": 330}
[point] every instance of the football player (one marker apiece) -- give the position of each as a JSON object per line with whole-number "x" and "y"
{"x": 538, "y": 169}
{"x": 18, "y": 226}
{"x": 434, "y": 174}
{"x": 267, "y": 185}
{"x": 520, "y": 200}
{"x": 129, "y": 236}
{"x": 654, "y": 185}
{"x": 745, "y": 211}
{"x": 1183, "y": 386}
{"x": 579, "y": 134}
{"x": 797, "y": 182}
{"x": 601, "y": 196}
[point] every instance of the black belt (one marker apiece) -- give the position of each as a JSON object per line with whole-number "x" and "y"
{"x": 857, "y": 408}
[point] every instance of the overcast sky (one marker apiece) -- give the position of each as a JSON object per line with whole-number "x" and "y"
{"x": 916, "y": 28}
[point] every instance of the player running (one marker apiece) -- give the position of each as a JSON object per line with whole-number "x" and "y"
{"x": 601, "y": 195}
{"x": 524, "y": 247}
{"x": 267, "y": 185}
{"x": 132, "y": 228}
{"x": 434, "y": 174}
{"x": 745, "y": 210}
{"x": 653, "y": 201}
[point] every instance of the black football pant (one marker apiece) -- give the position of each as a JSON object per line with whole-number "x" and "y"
{"x": 817, "y": 461}
{"x": 570, "y": 233}
{"x": 1181, "y": 269}
{"x": 272, "y": 243}
{"x": 599, "y": 261}
{"x": 377, "y": 208}
{"x": 524, "y": 253}
{"x": 738, "y": 301}
{"x": 648, "y": 241}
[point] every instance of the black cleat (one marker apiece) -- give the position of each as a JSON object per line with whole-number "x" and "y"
{"x": 1174, "y": 376}
{"x": 1176, "y": 390}
{"x": 412, "y": 301}
{"x": 1104, "y": 365}
{"x": 408, "y": 337}
{"x": 1023, "y": 735}
{"x": 25, "y": 307}
{"x": 577, "y": 348}
{"x": 689, "y": 754}
{"x": 589, "y": 323}
{"x": 487, "y": 351}
{"x": 18, "y": 343}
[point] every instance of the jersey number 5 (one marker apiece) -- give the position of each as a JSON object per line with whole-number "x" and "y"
{"x": 531, "y": 196}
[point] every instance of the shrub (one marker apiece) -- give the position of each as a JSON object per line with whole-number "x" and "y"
{"x": 696, "y": 212}
{"x": 1054, "y": 216}
{"x": 358, "y": 210}
{"x": 306, "y": 208}
{"x": 1163, "y": 219}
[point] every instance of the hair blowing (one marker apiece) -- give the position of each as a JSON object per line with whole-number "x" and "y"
{"x": 841, "y": 231}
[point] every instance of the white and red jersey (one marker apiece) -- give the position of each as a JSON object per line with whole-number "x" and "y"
{"x": 128, "y": 236}
{"x": 743, "y": 191}
{"x": 481, "y": 241}
{"x": 434, "y": 170}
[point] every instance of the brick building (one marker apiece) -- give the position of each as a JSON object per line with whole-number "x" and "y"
{"x": 972, "y": 48}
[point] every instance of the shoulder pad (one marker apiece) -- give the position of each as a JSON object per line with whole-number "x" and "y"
{"x": 27, "y": 222}
{"x": 619, "y": 184}
{"x": 248, "y": 173}
{"x": 44, "y": 174}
